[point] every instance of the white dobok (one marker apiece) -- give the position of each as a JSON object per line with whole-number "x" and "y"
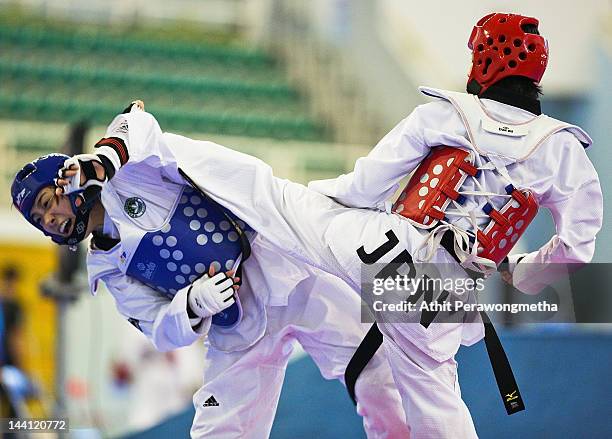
{"x": 283, "y": 301}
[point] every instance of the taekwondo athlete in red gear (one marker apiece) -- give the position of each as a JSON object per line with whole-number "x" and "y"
{"x": 515, "y": 156}
{"x": 155, "y": 238}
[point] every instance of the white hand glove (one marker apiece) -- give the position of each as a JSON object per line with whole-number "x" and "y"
{"x": 209, "y": 295}
{"x": 83, "y": 164}
{"x": 80, "y": 174}
{"x": 508, "y": 266}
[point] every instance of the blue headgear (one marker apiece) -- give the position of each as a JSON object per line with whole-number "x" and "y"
{"x": 35, "y": 176}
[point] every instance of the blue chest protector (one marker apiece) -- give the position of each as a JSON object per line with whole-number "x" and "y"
{"x": 199, "y": 233}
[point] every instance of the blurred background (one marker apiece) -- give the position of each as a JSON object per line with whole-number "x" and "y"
{"x": 308, "y": 87}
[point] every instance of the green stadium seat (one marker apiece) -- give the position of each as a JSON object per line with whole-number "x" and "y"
{"x": 61, "y": 76}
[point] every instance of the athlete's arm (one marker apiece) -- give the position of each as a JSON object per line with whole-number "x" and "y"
{"x": 166, "y": 322}
{"x": 376, "y": 177}
{"x": 575, "y": 201}
{"x": 94, "y": 170}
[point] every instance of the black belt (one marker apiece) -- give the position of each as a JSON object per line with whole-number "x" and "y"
{"x": 362, "y": 356}
{"x": 506, "y": 383}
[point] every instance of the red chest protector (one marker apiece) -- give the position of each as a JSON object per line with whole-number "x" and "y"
{"x": 434, "y": 196}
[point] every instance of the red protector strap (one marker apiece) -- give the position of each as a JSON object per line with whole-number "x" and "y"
{"x": 518, "y": 196}
{"x": 468, "y": 168}
{"x": 498, "y": 218}
{"x": 436, "y": 214}
{"x": 450, "y": 192}
{"x": 483, "y": 239}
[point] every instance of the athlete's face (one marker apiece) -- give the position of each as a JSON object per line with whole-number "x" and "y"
{"x": 53, "y": 212}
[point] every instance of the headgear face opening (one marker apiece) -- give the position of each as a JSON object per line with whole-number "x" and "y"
{"x": 35, "y": 176}
{"x": 501, "y": 48}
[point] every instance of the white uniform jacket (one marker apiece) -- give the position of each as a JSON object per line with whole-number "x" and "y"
{"x": 151, "y": 174}
{"x": 539, "y": 153}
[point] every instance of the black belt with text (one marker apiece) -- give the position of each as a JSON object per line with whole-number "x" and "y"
{"x": 506, "y": 383}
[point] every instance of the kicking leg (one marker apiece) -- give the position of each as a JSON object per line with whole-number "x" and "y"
{"x": 241, "y": 391}
{"x": 288, "y": 214}
{"x": 430, "y": 394}
{"x": 330, "y": 331}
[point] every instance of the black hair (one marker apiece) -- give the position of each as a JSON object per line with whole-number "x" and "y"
{"x": 516, "y": 85}
{"x": 530, "y": 29}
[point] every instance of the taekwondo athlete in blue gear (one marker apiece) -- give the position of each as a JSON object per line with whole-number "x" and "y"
{"x": 37, "y": 174}
{"x": 150, "y": 225}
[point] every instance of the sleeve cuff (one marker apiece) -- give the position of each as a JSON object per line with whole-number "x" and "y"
{"x": 186, "y": 322}
{"x": 115, "y": 149}
{"x": 203, "y": 328}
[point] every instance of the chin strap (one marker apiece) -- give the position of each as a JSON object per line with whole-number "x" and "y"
{"x": 87, "y": 193}
{"x": 81, "y": 220}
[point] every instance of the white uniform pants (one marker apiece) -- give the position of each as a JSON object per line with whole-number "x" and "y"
{"x": 430, "y": 393}
{"x": 246, "y": 385}
{"x": 325, "y": 234}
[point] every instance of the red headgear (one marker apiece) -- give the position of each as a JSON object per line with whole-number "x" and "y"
{"x": 501, "y": 48}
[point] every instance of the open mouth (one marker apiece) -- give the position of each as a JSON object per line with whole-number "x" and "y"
{"x": 65, "y": 226}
